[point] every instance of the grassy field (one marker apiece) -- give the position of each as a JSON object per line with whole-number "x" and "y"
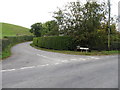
{"x": 13, "y": 30}
{"x": 78, "y": 52}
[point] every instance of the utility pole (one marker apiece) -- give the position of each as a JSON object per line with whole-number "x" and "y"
{"x": 109, "y": 9}
{"x": 119, "y": 16}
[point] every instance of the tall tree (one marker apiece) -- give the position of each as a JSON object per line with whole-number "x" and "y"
{"x": 82, "y": 21}
{"x": 59, "y": 16}
{"x": 51, "y": 28}
{"x": 36, "y": 29}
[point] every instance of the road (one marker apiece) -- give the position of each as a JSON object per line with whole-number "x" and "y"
{"x": 32, "y": 68}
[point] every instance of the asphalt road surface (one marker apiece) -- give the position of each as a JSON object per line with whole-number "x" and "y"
{"x": 32, "y": 68}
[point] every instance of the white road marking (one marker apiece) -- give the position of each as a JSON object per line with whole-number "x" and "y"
{"x": 23, "y": 68}
{"x": 27, "y": 67}
{"x": 46, "y": 64}
{"x": 56, "y": 63}
{"x": 73, "y": 59}
{"x": 82, "y": 59}
{"x": 63, "y": 61}
{"x": 94, "y": 58}
{"x": 38, "y": 54}
{"x": 8, "y": 70}
{"x": 41, "y": 65}
{"x": 44, "y": 56}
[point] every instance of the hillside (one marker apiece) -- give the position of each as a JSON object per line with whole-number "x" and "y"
{"x": 14, "y": 30}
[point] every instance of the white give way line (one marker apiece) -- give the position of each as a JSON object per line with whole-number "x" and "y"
{"x": 56, "y": 63}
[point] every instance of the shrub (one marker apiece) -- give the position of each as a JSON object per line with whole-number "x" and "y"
{"x": 55, "y": 42}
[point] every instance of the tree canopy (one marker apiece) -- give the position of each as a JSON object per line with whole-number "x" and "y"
{"x": 86, "y": 23}
{"x": 36, "y": 29}
{"x": 83, "y": 22}
{"x": 51, "y": 28}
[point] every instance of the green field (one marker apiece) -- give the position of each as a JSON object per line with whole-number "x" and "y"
{"x": 13, "y": 30}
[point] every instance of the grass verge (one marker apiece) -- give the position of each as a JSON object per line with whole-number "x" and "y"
{"x": 78, "y": 52}
{"x": 6, "y": 53}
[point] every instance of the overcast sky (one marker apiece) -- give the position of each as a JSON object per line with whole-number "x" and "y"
{"x": 27, "y": 12}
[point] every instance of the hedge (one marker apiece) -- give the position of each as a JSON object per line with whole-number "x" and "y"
{"x": 55, "y": 42}
{"x": 115, "y": 45}
{"x": 68, "y": 43}
{"x": 14, "y": 40}
{"x": 8, "y": 42}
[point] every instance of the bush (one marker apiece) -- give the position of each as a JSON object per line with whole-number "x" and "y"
{"x": 55, "y": 42}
